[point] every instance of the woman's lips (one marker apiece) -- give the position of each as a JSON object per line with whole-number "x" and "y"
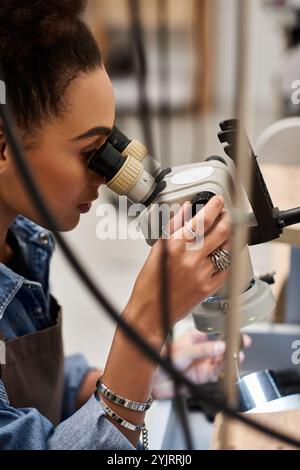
{"x": 84, "y": 208}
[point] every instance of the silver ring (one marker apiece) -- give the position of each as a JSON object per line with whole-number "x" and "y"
{"x": 221, "y": 259}
{"x": 164, "y": 233}
{"x": 196, "y": 236}
{"x": 190, "y": 229}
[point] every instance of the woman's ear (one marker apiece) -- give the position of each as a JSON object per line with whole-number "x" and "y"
{"x": 3, "y": 149}
{"x": 2, "y": 142}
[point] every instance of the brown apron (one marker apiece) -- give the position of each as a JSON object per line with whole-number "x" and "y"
{"x": 33, "y": 374}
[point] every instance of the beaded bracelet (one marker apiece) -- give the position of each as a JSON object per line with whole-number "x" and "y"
{"x": 132, "y": 427}
{"x": 121, "y": 401}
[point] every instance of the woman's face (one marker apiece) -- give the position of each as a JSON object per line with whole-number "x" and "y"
{"x": 59, "y": 154}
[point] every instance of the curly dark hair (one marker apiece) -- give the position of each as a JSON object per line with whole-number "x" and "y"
{"x": 44, "y": 45}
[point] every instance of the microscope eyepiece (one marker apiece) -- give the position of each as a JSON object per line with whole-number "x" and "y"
{"x": 118, "y": 140}
{"x": 107, "y": 161}
{"x": 124, "y": 174}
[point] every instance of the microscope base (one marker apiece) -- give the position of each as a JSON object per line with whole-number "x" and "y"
{"x": 256, "y": 303}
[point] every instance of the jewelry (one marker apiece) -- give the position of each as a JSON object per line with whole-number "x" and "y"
{"x": 221, "y": 259}
{"x": 164, "y": 233}
{"x": 190, "y": 229}
{"x": 196, "y": 236}
{"x": 132, "y": 427}
{"x": 121, "y": 401}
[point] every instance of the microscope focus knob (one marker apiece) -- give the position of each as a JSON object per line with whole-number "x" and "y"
{"x": 136, "y": 150}
{"x": 201, "y": 199}
{"x": 126, "y": 177}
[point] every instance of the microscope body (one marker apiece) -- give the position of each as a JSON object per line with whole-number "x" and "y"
{"x": 197, "y": 183}
{"x": 130, "y": 170}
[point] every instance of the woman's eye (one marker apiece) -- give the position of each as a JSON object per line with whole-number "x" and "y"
{"x": 89, "y": 154}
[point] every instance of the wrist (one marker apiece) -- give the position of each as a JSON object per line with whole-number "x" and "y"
{"x": 143, "y": 320}
{"x": 87, "y": 387}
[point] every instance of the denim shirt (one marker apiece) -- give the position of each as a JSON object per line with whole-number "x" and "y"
{"x": 24, "y": 308}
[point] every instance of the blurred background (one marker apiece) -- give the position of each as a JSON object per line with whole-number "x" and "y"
{"x": 172, "y": 64}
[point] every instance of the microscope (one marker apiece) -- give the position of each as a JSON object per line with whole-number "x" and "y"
{"x": 130, "y": 171}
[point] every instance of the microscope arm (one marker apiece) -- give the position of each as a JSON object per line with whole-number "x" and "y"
{"x": 270, "y": 221}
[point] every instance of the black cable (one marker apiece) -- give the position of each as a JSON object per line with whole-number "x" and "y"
{"x": 144, "y": 113}
{"x": 145, "y": 116}
{"x": 39, "y": 203}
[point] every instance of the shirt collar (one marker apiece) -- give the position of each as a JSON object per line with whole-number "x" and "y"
{"x": 10, "y": 284}
{"x": 28, "y": 232}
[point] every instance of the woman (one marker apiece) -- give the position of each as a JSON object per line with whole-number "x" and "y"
{"x": 63, "y": 108}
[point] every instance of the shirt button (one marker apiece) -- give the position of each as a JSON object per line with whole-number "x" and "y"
{"x": 44, "y": 238}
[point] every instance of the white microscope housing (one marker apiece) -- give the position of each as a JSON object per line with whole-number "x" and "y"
{"x": 197, "y": 183}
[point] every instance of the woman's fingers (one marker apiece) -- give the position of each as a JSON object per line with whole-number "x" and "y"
{"x": 217, "y": 280}
{"x": 197, "y": 336}
{"x": 192, "y": 275}
{"x": 241, "y": 357}
{"x": 207, "y": 217}
{"x": 218, "y": 236}
{"x": 215, "y": 370}
{"x": 209, "y": 349}
{"x": 177, "y": 222}
{"x": 203, "y": 221}
{"x": 247, "y": 341}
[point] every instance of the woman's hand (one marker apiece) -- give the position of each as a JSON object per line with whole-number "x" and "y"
{"x": 191, "y": 273}
{"x": 200, "y": 359}
{"x": 191, "y": 278}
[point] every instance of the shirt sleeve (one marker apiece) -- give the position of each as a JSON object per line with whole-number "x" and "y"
{"x": 87, "y": 429}
{"x": 75, "y": 370}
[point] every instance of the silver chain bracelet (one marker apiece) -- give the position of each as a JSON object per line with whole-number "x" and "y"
{"x": 145, "y": 439}
{"x": 132, "y": 427}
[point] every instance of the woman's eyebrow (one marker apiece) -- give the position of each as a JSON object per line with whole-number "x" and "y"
{"x": 95, "y": 131}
